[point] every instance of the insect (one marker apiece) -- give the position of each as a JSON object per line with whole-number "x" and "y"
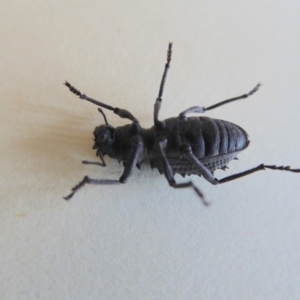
{"x": 183, "y": 145}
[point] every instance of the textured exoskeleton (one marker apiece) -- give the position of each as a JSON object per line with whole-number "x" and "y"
{"x": 183, "y": 145}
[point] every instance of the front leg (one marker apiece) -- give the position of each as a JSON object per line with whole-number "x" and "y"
{"x": 86, "y": 162}
{"x": 89, "y": 180}
{"x": 132, "y": 160}
{"x": 137, "y": 145}
{"x": 102, "y": 164}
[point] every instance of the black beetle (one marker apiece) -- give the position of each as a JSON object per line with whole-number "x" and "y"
{"x": 184, "y": 145}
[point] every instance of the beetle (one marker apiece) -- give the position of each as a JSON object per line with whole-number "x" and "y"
{"x": 183, "y": 145}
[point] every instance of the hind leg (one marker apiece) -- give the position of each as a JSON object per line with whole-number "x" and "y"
{"x": 261, "y": 167}
{"x": 204, "y": 171}
{"x": 199, "y": 109}
{"x": 168, "y": 172}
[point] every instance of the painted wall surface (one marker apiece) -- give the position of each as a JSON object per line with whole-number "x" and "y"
{"x": 144, "y": 240}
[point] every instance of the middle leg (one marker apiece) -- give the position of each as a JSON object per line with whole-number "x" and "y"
{"x": 261, "y": 167}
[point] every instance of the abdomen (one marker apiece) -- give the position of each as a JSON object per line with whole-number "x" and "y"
{"x": 214, "y": 142}
{"x": 211, "y": 137}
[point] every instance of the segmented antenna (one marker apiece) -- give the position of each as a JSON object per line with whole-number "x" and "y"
{"x": 78, "y": 93}
{"x": 73, "y": 89}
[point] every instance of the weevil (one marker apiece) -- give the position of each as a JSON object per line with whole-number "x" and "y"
{"x": 183, "y": 145}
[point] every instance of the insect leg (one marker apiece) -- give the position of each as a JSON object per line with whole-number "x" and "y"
{"x": 102, "y": 164}
{"x": 204, "y": 171}
{"x": 199, "y": 109}
{"x": 168, "y": 172}
{"x": 126, "y": 173}
{"x": 133, "y": 158}
{"x": 86, "y": 162}
{"x": 258, "y": 168}
{"x": 89, "y": 180}
{"x": 157, "y": 105}
{"x": 123, "y": 113}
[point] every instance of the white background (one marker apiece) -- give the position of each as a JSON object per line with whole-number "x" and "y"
{"x": 144, "y": 240}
